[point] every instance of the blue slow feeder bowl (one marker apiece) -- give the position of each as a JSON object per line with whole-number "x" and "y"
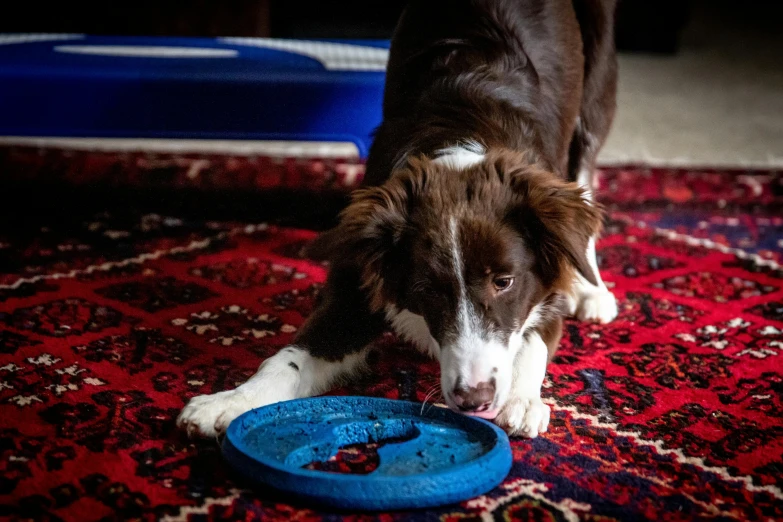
{"x": 446, "y": 457}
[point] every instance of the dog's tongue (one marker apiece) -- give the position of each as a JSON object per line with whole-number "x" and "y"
{"x": 488, "y": 415}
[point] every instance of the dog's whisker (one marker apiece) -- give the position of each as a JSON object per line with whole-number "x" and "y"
{"x": 435, "y": 401}
{"x": 427, "y": 396}
{"x": 430, "y": 393}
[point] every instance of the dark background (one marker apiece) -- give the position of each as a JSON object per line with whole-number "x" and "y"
{"x": 714, "y": 28}
{"x": 643, "y": 25}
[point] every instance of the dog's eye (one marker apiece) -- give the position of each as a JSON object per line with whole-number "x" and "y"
{"x": 502, "y": 283}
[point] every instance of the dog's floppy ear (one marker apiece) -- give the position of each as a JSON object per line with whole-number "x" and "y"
{"x": 371, "y": 232}
{"x": 558, "y": 220}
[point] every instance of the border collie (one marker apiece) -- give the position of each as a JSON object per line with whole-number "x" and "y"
{"x": 475, "y": 231}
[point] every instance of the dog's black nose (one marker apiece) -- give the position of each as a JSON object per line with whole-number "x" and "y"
{"x": 478, "y": 398}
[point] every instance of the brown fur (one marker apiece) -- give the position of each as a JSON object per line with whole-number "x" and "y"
{"x": 507, "y": 73}
{"x": 533, "y": 83}
{"x": 551, "y": 331}
{"x": 515, "y": 218}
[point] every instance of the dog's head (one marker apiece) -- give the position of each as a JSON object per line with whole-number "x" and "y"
{"x": 474, "y": 252}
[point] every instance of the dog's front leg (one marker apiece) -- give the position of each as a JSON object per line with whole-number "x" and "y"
{"x": 524, "y": 413}
{"x": 589, "y": 302}
{"x": 330, "y": 346}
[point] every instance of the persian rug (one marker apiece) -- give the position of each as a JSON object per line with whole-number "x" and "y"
{"x": 112, "y": 319}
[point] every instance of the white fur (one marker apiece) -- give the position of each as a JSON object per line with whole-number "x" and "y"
{"x": 412, "y": 327}
{"x": 523, "y": 413}
{"x": 589, "y": 302}
{"x": 585, "y": 180}
{"x": 276, "y": 380}
{"x": 461, "y": 156}
{"x": 476, "y": 355}
{"x": 534, "y": 318}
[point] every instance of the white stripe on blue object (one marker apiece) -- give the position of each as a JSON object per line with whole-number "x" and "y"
{"x": 9, "y": 39}
{"x": 148, "y": 51}
{"x": 334, "y": 56}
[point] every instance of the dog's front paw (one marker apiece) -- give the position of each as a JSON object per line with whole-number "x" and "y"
{"x": 596, "y": 305}
{"x": 525, "y": 416}
{"x": 210, "y": 415}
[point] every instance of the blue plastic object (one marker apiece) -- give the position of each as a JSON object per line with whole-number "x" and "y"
{"x": 195, "y": 88}
{"x": 450, "y": 457}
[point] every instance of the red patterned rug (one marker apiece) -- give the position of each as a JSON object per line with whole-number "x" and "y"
{"x": 112, "y": 319}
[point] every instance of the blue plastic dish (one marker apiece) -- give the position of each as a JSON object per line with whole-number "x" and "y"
{"x": 448, "y": 458}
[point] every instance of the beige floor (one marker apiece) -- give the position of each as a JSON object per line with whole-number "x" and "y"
{"x": 719, "y": 102}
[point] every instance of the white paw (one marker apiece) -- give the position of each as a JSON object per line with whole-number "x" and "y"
{"x": 526, "y": 416}
{"x": 595, "y": 304}
{"x": 210, "y": 415}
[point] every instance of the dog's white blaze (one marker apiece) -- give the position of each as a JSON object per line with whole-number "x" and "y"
{"x": 291, "y": 373}
{"x": 463, "y": 312}
{"x": 475, "y": 354}
{"x": 461, "y": 156}
{"x": 413, "y": 327}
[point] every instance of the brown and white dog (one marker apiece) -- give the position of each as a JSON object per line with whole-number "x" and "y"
{"x": 476, "y": 231}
